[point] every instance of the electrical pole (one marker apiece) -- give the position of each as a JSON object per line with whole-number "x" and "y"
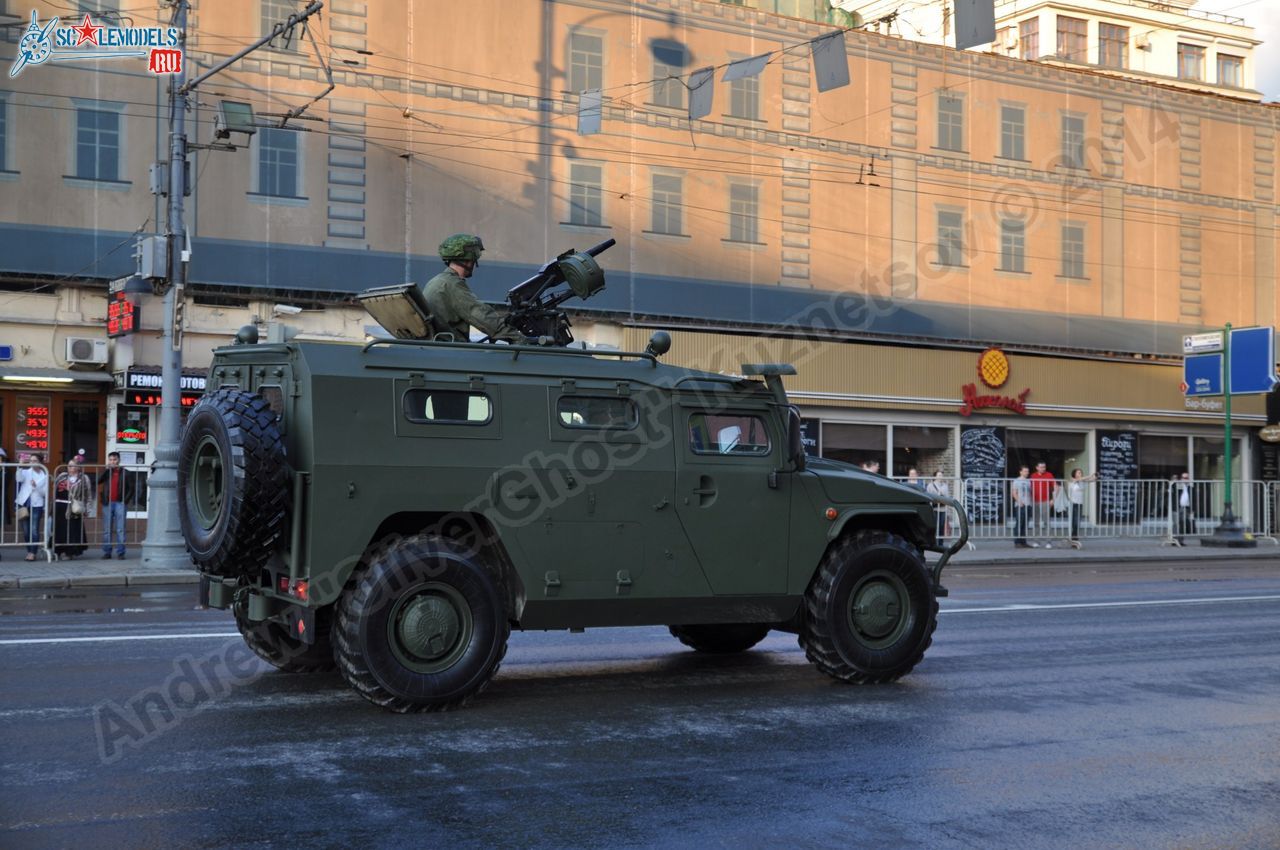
{"x": 163, "y": 544}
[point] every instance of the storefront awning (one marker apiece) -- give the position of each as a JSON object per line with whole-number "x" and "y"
{"x": 11, "y": 376}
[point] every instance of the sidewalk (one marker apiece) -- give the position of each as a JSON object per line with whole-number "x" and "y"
{"x": 91, "y": 570}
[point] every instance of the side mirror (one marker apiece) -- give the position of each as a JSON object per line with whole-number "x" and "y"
{"x": 795, "y": 439}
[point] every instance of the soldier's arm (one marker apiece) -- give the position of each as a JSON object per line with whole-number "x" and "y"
{"x": 480, "y": 315}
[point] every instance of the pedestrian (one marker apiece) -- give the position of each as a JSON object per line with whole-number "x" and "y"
{"x": 1075, "y": 494}
{"x": 72, "y": 492}
{"x": 872, "y": 466}
{"x": 1043, "y": 488}
{"x": 115, "y": 493}
{"x": 1186, "y": 517}
{"x": 1020, "y": 495}
{"x": 33, "y": 484}
{"x": 938, "y": 486}
{"x": 454, "y": 307}
{"x": 913, "y": 479}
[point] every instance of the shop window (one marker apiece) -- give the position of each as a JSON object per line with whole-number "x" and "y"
{"x": 1208, "y": 459}
{"x": 854, "y": 443}
{"x": 923, "y": 448}
{"x": 1161, "y": 457}
{"x": 81, "y": 429}
{"x": 1060, "y": 452}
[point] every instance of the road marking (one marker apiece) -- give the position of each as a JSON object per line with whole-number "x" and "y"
{"x": 1205, "y": 600}
{"x": 118, "y": 638}
{"x": 1134, "y": 604}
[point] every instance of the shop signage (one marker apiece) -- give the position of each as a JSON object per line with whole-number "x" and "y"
{"x": 1270, "y": 434}
{"x": 144, "y": 387}
{"x": 993, "y": 370}
{"x": 6, "y": 352}
{"x": 1211, "y": 404}
{"x": 131, "y": 435}
{"x": 1200, "y": 343}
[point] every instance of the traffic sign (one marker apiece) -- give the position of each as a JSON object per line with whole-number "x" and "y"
{"x": 1202, "y": 343}
{"x": 1202, "y": 374}
{"x": 1253, "y": 360}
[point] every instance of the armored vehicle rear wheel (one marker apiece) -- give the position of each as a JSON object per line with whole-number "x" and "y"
{"x": 870, "y": 611}
{"x": 233, "y": 483}
{"x": 422, "y": 629}
{"x": 275, "y": 646}
{"x": 721, "y": 638}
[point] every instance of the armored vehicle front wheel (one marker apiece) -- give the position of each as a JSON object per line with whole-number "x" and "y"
{"x": 233, "y": 483}
{"x": 422, "y": 629}
{"x": 270, "y": 642}
{"x": 870, "y": 611}
{"x": 721, "y": 638}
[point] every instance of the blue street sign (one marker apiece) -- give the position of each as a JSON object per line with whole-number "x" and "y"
{"x": 1202, "y": 373}
{"x": 6, "y": 352}
{"x": 1253, "y": 360}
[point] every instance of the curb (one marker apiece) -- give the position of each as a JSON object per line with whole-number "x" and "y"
{"x": 110, "y": 580}
{"x": 1119, "y": 558}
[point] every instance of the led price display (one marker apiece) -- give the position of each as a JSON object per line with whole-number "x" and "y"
{"x": 123, "y": 317}
{"x": 153, "y": 399}
{"x": 33, "y": 425}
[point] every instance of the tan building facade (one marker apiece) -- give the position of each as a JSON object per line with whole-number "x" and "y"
{"x": 963, "y": 199}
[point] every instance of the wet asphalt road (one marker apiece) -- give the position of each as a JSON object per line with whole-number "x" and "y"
{"x": 1134, "y": 706}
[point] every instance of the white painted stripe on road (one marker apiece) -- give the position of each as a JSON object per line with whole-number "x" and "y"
{"x": 1134, "y": 604}
{"x": 118, "y": 638}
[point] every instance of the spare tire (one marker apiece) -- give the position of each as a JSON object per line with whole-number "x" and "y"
{"x": 233, "y": 483}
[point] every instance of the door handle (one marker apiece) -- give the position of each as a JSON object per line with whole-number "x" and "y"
{"x": 705, "y": 491}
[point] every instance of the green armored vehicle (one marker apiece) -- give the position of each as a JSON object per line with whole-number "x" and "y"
{"x": 396, "y": 509}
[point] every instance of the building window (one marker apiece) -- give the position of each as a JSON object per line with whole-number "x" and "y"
{"x": 1073, "y": 250}
{"x": 1073, "y": 141}
{"x": 1013, "y": 132}
{"x": 1190, "y": 62}
{"x": 1029, "y": 38}
{"x": 1073, "y": 39}
{"x": 669, "y": 61}
{"x": 586, "y": 61}
{"x": 97, "y": 144}
{"x": 4, "y": 133}
{"x": 278, "y": 163}
{"x": 668, "y": 204}
{"x": 1230, "y": 70}
{"x": 744, "y": 212}
{"x": 950, "y": 238}
{"x": 950, "y": 122}
{"x": 586, "y": 194}
{"x": 1013, "y": 245}
{"x": 744, "y": 98}
{"x": 274, "y": 12}
{"x": 1113, "y": 46}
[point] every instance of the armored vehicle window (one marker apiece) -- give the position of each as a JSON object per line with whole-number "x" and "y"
{"x": 728, "y": 434}
{"x": 452, "y": 406}
{"x": 595, "y": 412}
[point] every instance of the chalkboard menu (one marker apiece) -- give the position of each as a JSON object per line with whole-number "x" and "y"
{"x": 982, "y": 456}
{"x": 1117, "y": 476}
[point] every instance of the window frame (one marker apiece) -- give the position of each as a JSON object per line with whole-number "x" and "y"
{"x": 584, "y": 76}
{"x": 631, "y": 425}
{"x": 703, "y": 454}
{"x": 1073, "y": 271}
{"x": 741, "y": 219}
{"x": 953, "y": 123}
{"x": 955, "y": 237}
{"x": 104, "y": 107}
{"x": 1073, "y": 148}
{"x": 587, "y": 191}
{"x": 1119, "y": 44}
{"x": 669, "y": 90}
{"x": 272, "y": 12}
{"x": 1013, "y": 234}
{"x": 665, "y": 205}
{"x": 260, "y": 152}
{"x": 1029, "y": 33}
{"x": 1231, "y": 59}
{"x": 1005, "y": 152}
{"x": 6, "y": 123}
{"x": 744, "y": 97}
{"x": 1070, "y": 33}
{"x": 428, "y": 391}
{"x": 1186, "y": 51}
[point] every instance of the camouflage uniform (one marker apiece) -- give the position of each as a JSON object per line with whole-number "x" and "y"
{"x": 455, "y": 309}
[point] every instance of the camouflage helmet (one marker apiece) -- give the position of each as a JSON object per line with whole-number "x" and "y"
{"x": 461, "y": 246}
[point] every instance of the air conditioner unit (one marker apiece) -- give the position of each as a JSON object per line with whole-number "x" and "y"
{"x": 1142, "y": 41}
{"x": 1008, "y": 38}
{"x": 86, "y": 349}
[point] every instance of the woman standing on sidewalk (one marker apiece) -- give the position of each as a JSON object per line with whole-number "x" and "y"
{"x": 72, "y": 493}
{"x": 32, "y": 483}
{"x": 1076, "y": 492}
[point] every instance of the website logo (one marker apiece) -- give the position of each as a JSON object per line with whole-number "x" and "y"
{"x": 49, "y": 42}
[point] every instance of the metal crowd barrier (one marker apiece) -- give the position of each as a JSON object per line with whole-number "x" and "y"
{"x": 94, "y": 521}
{"x": 1170, "y": 511}
{"x": 20, "y": 534}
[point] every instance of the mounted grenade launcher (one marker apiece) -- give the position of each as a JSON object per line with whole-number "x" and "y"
{"x": 535, "y": 304}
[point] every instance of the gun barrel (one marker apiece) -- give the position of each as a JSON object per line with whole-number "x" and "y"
{"x": 601, "y": 248}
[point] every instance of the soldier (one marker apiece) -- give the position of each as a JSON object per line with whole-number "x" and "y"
{"x": 454, "y": 307}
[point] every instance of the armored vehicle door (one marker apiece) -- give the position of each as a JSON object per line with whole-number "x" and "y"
{"x": 735, "y": 510}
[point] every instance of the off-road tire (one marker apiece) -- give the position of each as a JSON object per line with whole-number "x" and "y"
{"x": 272, "y": 644}
{"x": 887, "y": 634}
{"x": 720, "y": 638}
{"x": 394, "y": 639}
{"x": 233, "y": 483}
